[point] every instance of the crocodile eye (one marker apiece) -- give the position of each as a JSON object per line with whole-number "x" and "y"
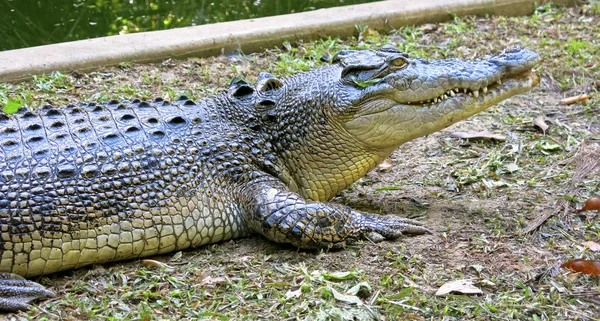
{"x": 398, "y": 62}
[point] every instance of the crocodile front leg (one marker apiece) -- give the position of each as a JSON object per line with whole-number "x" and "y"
{"x": 283, "y": 216}
{"x": 16, "y": 293}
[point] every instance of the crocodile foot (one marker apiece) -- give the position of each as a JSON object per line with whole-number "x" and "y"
{"x": 376, "y": 228}
{"x": 16, "y": 293}
{"x": 392, "y": 227}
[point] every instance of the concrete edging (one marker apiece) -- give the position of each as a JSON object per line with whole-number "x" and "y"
{"x": 246, "y": 35}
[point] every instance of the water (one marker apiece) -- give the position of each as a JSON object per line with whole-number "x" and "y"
{"x": 27, "y": 23}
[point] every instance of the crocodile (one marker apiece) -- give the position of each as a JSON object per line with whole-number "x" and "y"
{"x": 100, "y": 182}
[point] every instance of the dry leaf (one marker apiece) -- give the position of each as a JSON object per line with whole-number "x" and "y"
{"x": 211, "y": 281}
{"x": 361, "y": 290}
{"x": 428, "y": 27}
{"x": 155, "y": 264}
{"x": 478, "y": 135}
{"x": 572, "y": 277}
{"x": 412, "y": 316}
{"x": 367, "y": 32}
{"x": 350, "y": 299}
{"x": 385, "y": 166}
{"x": 593, "y": 246}
{"x": 575, "y": 99}
{"x": 293, "y": 294}
{"x": 458, "y": 287}
{"x": 245, "y": 258}
{"x": 589, "y": 267}
{"x": 592, "y": 204}
{"x": 370, "y": 32}
{"x": 539, "y": 122}
{"x": 177, "y": 256}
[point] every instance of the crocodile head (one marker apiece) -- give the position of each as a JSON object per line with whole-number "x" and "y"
{"x": 336, "y": 123}
{"x": 396, "y": 98}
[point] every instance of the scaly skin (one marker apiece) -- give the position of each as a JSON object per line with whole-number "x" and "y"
{"x": 122, "y": 180}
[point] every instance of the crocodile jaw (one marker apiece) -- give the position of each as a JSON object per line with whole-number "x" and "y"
{"x": 417, "y": 97}
{"x": 403, "y": 122}
{"x": 464, "y": 105}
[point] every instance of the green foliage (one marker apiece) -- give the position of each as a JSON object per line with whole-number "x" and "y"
{"x": 575, "y": 46}
{"x": 12, "y": 106}
{"x": 595, "y": 6}
{"x": 365, "y": 83}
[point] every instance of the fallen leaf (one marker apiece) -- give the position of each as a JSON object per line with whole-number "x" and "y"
{"x": 361, "y": 290}
{"x": 413, "y": 316}
{"x": 477, "y": 267}
{"x": 458, "y": 287}
{"x": 245, "y": 258}
{"x": 592, "y": 204}
{"x": 559, "y": 287}
{"x": 293, "y": 294}
{"x": 176, "y": 257}
{"x": 489, "y": 183}
{"x": 572, "y": 277}
{"x": 574, "y": 99}
{"x": 155, "y": 264}
{"x": 365, "y": 31}
{"x": 211, "y": 281}
{"x": 512, "y": 167}
{"x": 539, "y": 122}
{"x": 385, "y": 166}
{"x": 589, "y": 267}
{"x": 478, "y": 135}
{"x": 550, "y": 147}
{"x": 428, "y": 27}
{"x": 339, "y": 276}
{"x": 593, "y": 246}
{"x": 350, "y": 299}
{"x": 371, "y": 32}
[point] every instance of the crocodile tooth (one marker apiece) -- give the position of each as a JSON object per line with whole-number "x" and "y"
{"x": 444, "y": 96}
{"x": 452, "y": 93}
{"x": 499, "y": 82}
{"x": 476, "y": 93}
{"x": 465, "y": 90}
{"x": 485, "y": 89}
{"x": 435, "y": 100}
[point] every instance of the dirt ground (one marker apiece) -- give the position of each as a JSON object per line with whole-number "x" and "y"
{"x": 479, "y": 197}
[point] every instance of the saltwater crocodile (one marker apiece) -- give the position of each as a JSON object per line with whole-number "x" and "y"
{"x": 120, "y": 180}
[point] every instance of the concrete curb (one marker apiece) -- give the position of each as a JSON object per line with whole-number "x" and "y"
{"x": 245, "y": 35}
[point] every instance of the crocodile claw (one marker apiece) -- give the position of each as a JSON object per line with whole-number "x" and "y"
{"x": 378, "y": 228}
{"x": 16, "y": 293}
